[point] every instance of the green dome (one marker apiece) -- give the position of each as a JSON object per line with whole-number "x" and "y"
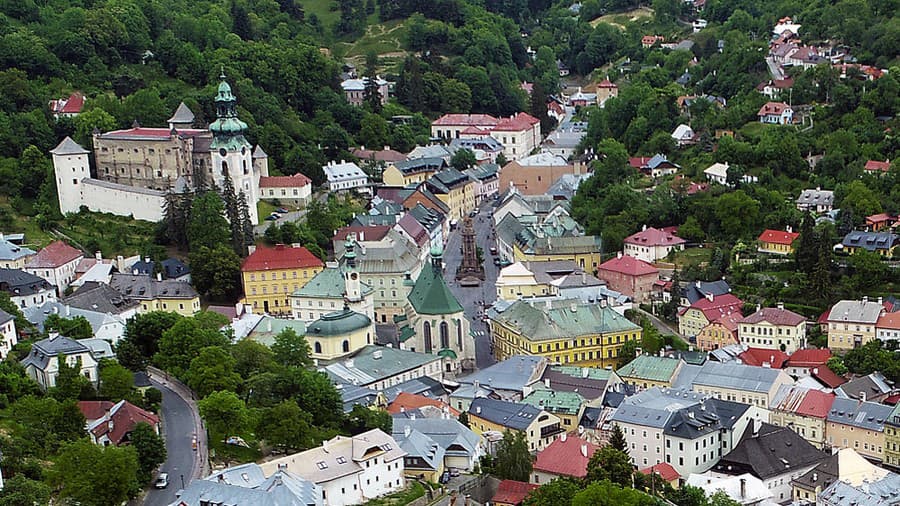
{"x": 338, "y": 323}
{"x": 436, "y": 251}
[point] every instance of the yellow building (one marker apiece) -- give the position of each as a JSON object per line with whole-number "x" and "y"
{"x": 568, "y": 406}
{"x": 851, "y": 323}
{"x": 564, "y": 331}
{"x": 158, "y": 295}
{"x": 648, "y": 371}
{"x": 271, "y": 275}
{"x": 455, "y": 189}
{"x": 858, "y": 425}
{"x": 777, "y": 242}
{"x": 411, "y": 171}
{"x": 339, "y": 333}
{"x": 584, "y": 250}
{"x": 892, "y": 439}
{"x": 803, "y": 410}
{"x": 721, "y": 332}
{"x": 492, "y": 415}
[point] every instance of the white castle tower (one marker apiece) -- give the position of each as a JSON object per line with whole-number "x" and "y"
{"x": 231, "y": 152}
{"x": 70, "y": 167}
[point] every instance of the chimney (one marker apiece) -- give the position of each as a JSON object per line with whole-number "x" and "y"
{"x": 221, "y": 478}
{"x": 756, "y": 426}
{"x": 53, "y": 335}
{"x": 412, "y": 416}
{"x": 407, "y": 430}
{"x": 644, "y": 228}
{"x": 865, "y": 299}
{"x": 98, "y": 255}
{"x": 159, "y": 276}
{"x": 584, "y": 450}
{"x": 68, "y": 309}
{"x": 781, "y": 306}
{"x": 862, "y": 396}
{"x": 815, "y": 477}
{"x": 147, "y": 260}
{"x": 758, "y": 307}
{"x": 880, "y": 301}
{"x": 564, "y": 436}
{"x": 743, "y": 488}
{"x": 585, "y": 372}
{"x": 697, "y": 283}
{"x": 619, "y": 254}
{"x": 477, "y": 410}
{"x": 547, "y": 382}
{"x": 789, "y": 229}
{"x": 269, "y": 325}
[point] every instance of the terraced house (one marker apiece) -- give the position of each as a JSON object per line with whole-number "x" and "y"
{"x": 858, "y": 425}
{"x": 564, "y": 331}
{"x": 539, "y": 427}
{"x": 455, "y": 189}
{"x": 648, "y": 371}
{"x": 773, "y": 328}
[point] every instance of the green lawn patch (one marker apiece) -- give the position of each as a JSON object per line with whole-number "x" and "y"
{"x": 264, "y": 209}
{"x": 110, "y": 234}
{"x": 753, "y": 131}
{"x": 326, "y": 11}
{"x": 219, "y": 451}
{"x": 620, "y": 19}
{"x": 388, "y": 40}
{"x": 691, "y": 256}
{"x": 413, "y": 491}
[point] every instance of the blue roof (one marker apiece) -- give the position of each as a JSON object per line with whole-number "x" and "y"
{"x": 512, "y": 415}
{"x": 10, "y": 251}
{"x": 511, "y": 374}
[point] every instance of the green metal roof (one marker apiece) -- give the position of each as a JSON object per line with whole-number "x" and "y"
{"x": 594, "y": 373}
{"x": 447, "y": 353}
{"x": 430, "y": 294}
{"x": 563, "y": 319}
{"x": 650, "y": 367}
{"x": 328, "y": 284}
{"x": 338, "y": 323}
{"x": 269, "y": 327}
{"x": 567, "y": 403}
{"x": 406, "y": 333}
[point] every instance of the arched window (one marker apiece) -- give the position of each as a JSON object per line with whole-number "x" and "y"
{"x": 459, "y": 336}
{"x": 224, "y": 168}
{"x": 345, "y": 346}
{"x": 445, "y": 335}
{"x": 426, "y": 330}
{"x": 318, "y": 347}
{"x": 245, "y": 167}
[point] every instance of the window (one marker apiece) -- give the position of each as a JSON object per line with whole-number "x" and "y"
{"x": 321, "y": 465}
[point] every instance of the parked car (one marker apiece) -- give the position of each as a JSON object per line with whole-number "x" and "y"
{"x": 282, "y": 210}
{"x": 497, "y": 261}
{"x": 162, "y": 481}
{"x": 494, "y": 250}
{"x": 271, "y": 217}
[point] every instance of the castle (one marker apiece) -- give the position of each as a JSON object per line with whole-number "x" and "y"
{"x": 135, "y": 168}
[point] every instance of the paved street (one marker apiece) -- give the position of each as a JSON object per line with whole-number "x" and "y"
{"x": 291, "y": 216}
{"x": 179, "y": 424}
{"x": 471, "y": 298}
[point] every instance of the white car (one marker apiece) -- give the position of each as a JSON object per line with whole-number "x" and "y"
{"x": 162, "y": 481}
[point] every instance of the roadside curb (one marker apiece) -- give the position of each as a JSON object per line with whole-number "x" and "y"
{"x": 200, "y": 464}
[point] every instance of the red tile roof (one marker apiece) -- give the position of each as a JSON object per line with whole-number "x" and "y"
{"x": 465, "y": 119}
{"x": 729, "y": 321}
{"x": 280, "y": 257}
{"x": 629, "y": 266}
{"x": 140, "y": 132}
{"x": 517, "y": 123}
{"x": 809, "y": 357}
{"x": 295, "y": 181}
{"x": 890, "y": 321}
{"x": 124, "y": 415}
{"x": 775, "y": 316}
{"x": 639, "y": 162}
{"x": 408, "y": 401}
{"x": 56, "y": 254}
{"x": 815, "y": 403}
{"x": 880, "y": 218}
{"x": 778, "y": 237}
{"x": 654, "y": 237}
{"x": 474, "y": 130}
{"x": 719, "y": 306}
{"x": 370, "y": 233}
{"x": 760, "y": 356}
{"x": 828, "y": 377}
{"x": 664, "y": 470}
{"x": 772, "y": 108}
{"x": 415, "y": 230}
{"x": 606, "y": 83}
{"x": 71, "y": 105}
{"x": 877, "y": 166}
{"x": 512, "y": 492}
{"x": 565, "y": 458}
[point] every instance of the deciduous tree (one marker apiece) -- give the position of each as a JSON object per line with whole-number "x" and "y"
{"x": 224, "y": 412}
{"x": 212, "y": 370}
{"x": 94, "y": 475}
{"x": 513, "y": 457}
{"x": 150, "y": 448}
{"x": 291, "y": 349}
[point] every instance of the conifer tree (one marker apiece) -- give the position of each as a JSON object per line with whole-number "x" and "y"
{"x": 246, "y": 225}
{"x": 233, "y": 214}
{"x": 617, "y": 439}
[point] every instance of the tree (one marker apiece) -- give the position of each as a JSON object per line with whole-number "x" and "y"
{"x": 720, "y": 498}
{"x": 606, "y": 493}
{"x": 463, "y": 159}
{"x": 142, "y": 334}
{"x": 10, "y": 307}
{"x": 251, "y": 358}
{"x": 860, "y": 200}
{"x": 233, "y": 215}
{"x": 286, "y": 426}
{"x": 223, "y": 412}
{"x": 837, "y": 366}
{"x": 688, "y": 496}
{"x": 182, "y": 343}
{"x": 116, "y": 382}
{"x": 806, "y": 250}
{"x": 207, "y": 226}
{"x": 513, "y": 457}
{"x": 617, "y": 439}
{"x": 361, "y": 419}
{"x": 558, "y": 492}
{"x": 371, "y": 93}
{"x": 45, "y": 423}
{"x": 93, "y": 475}
{"x": 607, "y": 463}
{"x": 464, "y": 418}
{"x": 150, "y": 448}
{"x": 212, "y": 370}
{"x": 21, "y": 491}
{"x": 291, "y": 349}
{"x": 737, "y": 213}
{"x": 216, "y": 272}
{"x": 77, "y": 327}
{"x": 87, "y": 121}
{"x": 70, "y": 384}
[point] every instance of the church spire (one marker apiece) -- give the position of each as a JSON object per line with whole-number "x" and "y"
{"x": 227, "y": 129}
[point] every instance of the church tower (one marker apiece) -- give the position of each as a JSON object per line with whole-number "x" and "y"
{"x": 352, "y": 286}
{"x": 231, "y": 152}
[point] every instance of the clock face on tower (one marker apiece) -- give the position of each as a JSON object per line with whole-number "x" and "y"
{"x": 222, "y": 151}
{"x": 353, "y": 276}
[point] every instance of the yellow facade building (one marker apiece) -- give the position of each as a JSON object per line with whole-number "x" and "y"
{"x": 455, "y": 189}
{"x": 408, "y": 172}
{"x": 858, "y": 425}
{"x": 339, "y": 333}
{"x": 270, "y": 275}
{"x": 493, "y": 415}
{"x": 584, "y": 250}
{"x": 564, "y": 331}
{"x": 158, "y": 294}
{"x": 851, "y": 323}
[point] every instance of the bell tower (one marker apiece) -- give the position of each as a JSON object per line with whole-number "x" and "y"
{"x": 352, "y": 284}
{"x": 231, "y": 152}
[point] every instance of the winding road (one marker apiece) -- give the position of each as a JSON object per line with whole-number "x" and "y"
{"x": 180, "y": 421}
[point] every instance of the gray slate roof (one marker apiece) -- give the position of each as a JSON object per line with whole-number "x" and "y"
{"x": 373, "y": 363}
{"x": 42, "y": 350}
{"x": 512, "y": 374}
{"x": 816, "y": 198}
{"x": 101, "y": 298}
{"x": 5, "y": 317}
{"x": 183, "y": 114}
{"x": 20, "y": 283}
{"x": 855, "y": 311}
{"x": 883, "y": 492}
{"x": 737, "y": 376}
{"x": 871, "y": 241}
{"x": 514, "y": 415}
{"x": 10, "y": 251}
{"x": 873, "y": 385}
{"x": 693, "y": 292}
{"x": 246, "y": 484}
{"x": 773, "y": 451}
{"x": 452, "y": 436}
{"x": 146, "y": 288}
{"x": 68, "y": 147}
{"x": 38, "y": 314}
{"x": 864, "y": 415}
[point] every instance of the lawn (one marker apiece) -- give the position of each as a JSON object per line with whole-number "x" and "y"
{"x": 228, "y": 454}
{"x": 326, "y": 10}
{"x": 113, "y": 235}
{"x": 413, "y": 491}
{"x": 264, "y": 209}
{"x": 692, "y": 256}
{"x": 620, "y": 19}
{"x": 387, "y": 40}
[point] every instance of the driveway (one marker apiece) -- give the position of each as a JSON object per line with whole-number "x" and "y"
{"x": 472, "y": 298}
{"x": 260, "y": 229}
{"x": 180, "y": 421}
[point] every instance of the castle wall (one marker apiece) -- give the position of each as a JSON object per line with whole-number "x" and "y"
{"x": 105, "y": 197}
{"x": 145, "y": 162}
